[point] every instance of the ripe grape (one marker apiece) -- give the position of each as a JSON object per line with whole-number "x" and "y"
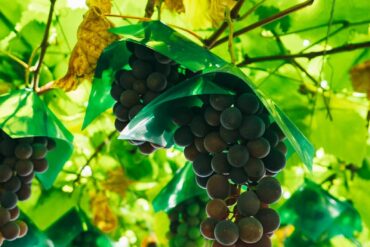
{"x": 134, "y": 111}
{"x": 23, "y": 151}
{"x": 199, "y": 127}
{"x": 269, "y": 190}
{"x": 40, "y": 166}
{"x": 248, "y": 203}
{"x": 202, "y": 165}
{"x": 24, "y": 192}
{"x": 221, "y": 101}
{"x": 191, "y": 152}
{"x": 255, "y": 169}
{"x": 13, "y": 185}
{"x": 125, "y": 79}
{"x": 226, "y": 232}
{"x": 265, "y": 241}
{"x": 51, "y": 144}
{"x": 10, "y": 231}
{"x": 182, "y": 116}
{"x": 238, "y": 155}
{"x": 282, "y": 147}
{"x": 120, "y": 112}
{"x": 250, "y": 230}
{"x": 139, "y": 86}
{"x": 129, "y": 98}
{"x": 275, "y": 160}
{"x": 116, "y": 91}
{"x": 199, "y": 144}
{"x": 4, "y": 216}
{"x": 27, "y": 179}
{"x": 5, "y": 173}
{"x": 143, "y": 52}
{"x": 162, "y": 58}
{"x": 8, "y": 199}
{"x": 211, "y": 116}
{"x": 275, "y": 127}
{"x": 141, "y": 69}
{"x": 220, "y": 164}
{"x": 248, "y": 103}
{"x": 24, "y": 167}
{"x": 207, "y": 228}
{"x": 183, "y": 136}
{"x": 14, "y": 213}
{"x": 149, "y": 96}
{"x": 238, "y": 175}
{"x": 156, "y": 82}
{"x": 269, "y": 219}
{"x": 258, "y": 148}
{"x": 217, "y": 209}
{"x": 23, "y": 229}
{"x": 146, "y": 148}
{"x": 229, "y": 136}
{"x": 252, "y": 127}
{"x": 218, "y": 187}
{"x": 271, "y": 137}
{"x": 213, "y": 143}
{"x": 231, "y": 118}
{"x": 202, "y": 181}
{"x": 39, "y": 151}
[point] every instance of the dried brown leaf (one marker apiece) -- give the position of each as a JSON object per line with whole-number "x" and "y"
{"x": 117, "y": 182}
{"x": 360, "y": 76}
{"x": 92, "y": 38}
{"x": 175, "y": 5}
{"x": 217, "y": 10}
{"x": 103, "y": 216}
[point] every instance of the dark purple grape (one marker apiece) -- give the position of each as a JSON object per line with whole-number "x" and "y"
{"x": 4, "y": 216}
{"x": 10, "y": 231}
{"x": 275, "y": 127}
{"x": 221, "y": 101}
{"x": 13, "y": 185}
{"x": 8, "y": 199}
{"x": 231, "y": 118}
{"x": 199, "y": 144}
{"x": 202, "y": 165}
{"x": 238, "y": 155}
{"x": 23, "y": 229}
{"x": 120, "y": 112}
{"x": 264, "y": 242}
{"x": 255, "y": 169}
{"x": 269, "y": 219}
{"x": 162, "y": 58}
{"x": 156, "y": 82}
{"x": 218, "y": 187}
{"x": 207, "y": 228}
{"x": 213, "y": 143}
{"x": 182, "y": 116}
{"x": 141, "y": 69}
{"x": 126, "y": 79}
{"x": 258, "y": 148}
{"x": 146, "y": 148}
{"x": 14, "y": 213}
{"x": 250, "y": 230}
{"x": 183, "y": 136}
{"x": 39, "y": 151}
{"x": 217, "y": 209}
{"x": 27, "y": 179}
{"x": 269, "y": 190}
{"x": 238, "y": 175}
{"x": 116, "y": 91}
{"x": 51, "y": 144}
{"x": 248, "y": 203}
{"x": 226, "y": 232}
{"x": 149, "y": 96}
{"x": 23, "y": 151}
{"x": 220, "y": 164}
{"x": 199, "y": 127}
{"x": 229, "y": 136}
{"x": 282, "y": 148}
{"x": 271, "y": 137}
{"x": 24, "y": 193}
{"x": 129, "y": 98}
{"x": 134, "y": 111}
{"x": 139, "y": 86}
{"x": 275, "y": 160}
{"x": 143, "y": 52}
{"x": 40, "y": 166}
{"x": 191, "y": 152}
{"x": 5, "y": 173}
{"x": 248, "y": 103}
{"x": 211, "y": 116}
{"x": 252, "y": 127}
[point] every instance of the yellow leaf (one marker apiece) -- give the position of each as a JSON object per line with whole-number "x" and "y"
{"x": 360, "y": 76}
{"x": 117, "y": 182}
{"x": 217, "y": 10}
{"x": 92, "y": 38}
{"x": 175, "y": 5}
{"x": 103, "y": 216}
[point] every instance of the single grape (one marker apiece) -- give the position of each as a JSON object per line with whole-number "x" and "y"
{"x": 238, "y": 155}
{"x": 248, "y": 203}
{"x": 265, "y": 241}
{"x": 182, "y": 229}
{"x": 282, "y": 148}
{"x": 134, "y": 111}
{"x": 8, "y": 200}
{"x": 229, "y": 136}
{"x": 23, "y": 151}
{"x": 149, "y": 96}
{"x": 139, "y": 86}
{"x": 255, "y": 169}
{"x": 231, "y": 118}
{"x": 269, "y": 190}
{"x": 211, "y": 116}
{"x": 217, "y": 209}
{"x": 269, "y": 219}
{"x": 226, "y": 232}
{"x": 14, "y": 213}
{"x": 141, "y": 69}
{"x": 143, "y": 52}
{"x": 51, "y": 144}
{"x": 193, "y": 209}
{"x": 202, "y": 165}
{"x": 156, "y": 82}
{"x": 23, "y": 229}
{"x": 126, "y": 79}
{"x": 182, "y": 116}
{"x": 213, "y": 143}
{"x": 275, "y": 127}
{"x": 218, "y": 187}
{"x": 24, "y": 192}
{"x": 258, "y": 148}
{"x": 221, "y": 101}
{"x": 194, "y": 233}
{"x": 10, "y": 231}
{"x": 4, "y": 216}
{"x": 40, "y": 166}
{"x": 199, "y": 127}
{"x": 13, "y": 184}
{"x": 129, "y": 98}
{"x": 146, "y": 148}
{"x": 238, "y": 175}
{"x": 202, "y": 181}
{"x": 116, "y": 91}
{"x": 275, "y": 160}
{"x": 250, "y": 230}
{"x": 207, "y": 228}
{"x": 120, "y": 112}
{"x": 191, "y": 152}
{"x": 252, "y": 127}
{"x": 5, "y": 173}
{"x": 248, "y": 103}
{"x": 39, "y": 151}
{"x": 183, "y": 136}
{"x": 119, "y": 125}
{"x": 199, "y": 144}
{"x": 271, "y": 137}
{"x": 220, "y": 164}
{"x": 193, "y": 221}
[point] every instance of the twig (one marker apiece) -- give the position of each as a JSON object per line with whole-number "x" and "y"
{"x": 43, "y": 46}
{"x": 309, "y": 55}
{"x": 231, "y": 35}
{"x": 46, "y": 88}
{"x": 250, "y": 11}
{"x": 28, "y": 71}
{"x": 16, "y": 59}
{"x": 233, "y": 14}
{"x": 265, "y": 21}
{"x": 149, "y": 8}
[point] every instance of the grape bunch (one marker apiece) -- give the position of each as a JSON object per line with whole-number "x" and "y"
{"x": 231, "y": 143}
{"x": 150, "y": 74}
{"x": 20, "y": 159}
{"x": 185, "y": 219}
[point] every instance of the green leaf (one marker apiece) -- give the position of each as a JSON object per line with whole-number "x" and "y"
{"x": 267, "y": 11}
{"x": 10, "y": 14}
{"x": 28, "y": 38}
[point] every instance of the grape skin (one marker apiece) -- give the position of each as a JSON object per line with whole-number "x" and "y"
{"x": 248, "y": 203}
{"x": 218, "y": 187}
{"x": 250, "y": 230}
{"x": 217, "y": 209}
{"x": 269, "y": 190}
{"x": 226, "y": 232}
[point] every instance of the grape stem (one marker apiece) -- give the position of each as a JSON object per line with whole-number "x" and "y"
{"x": 264, "y": 22}
{"x": 44, "y": 45}
{"x": 15, "y": 59}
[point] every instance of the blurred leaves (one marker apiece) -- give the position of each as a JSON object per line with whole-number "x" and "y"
{"x": 360, "y": 76}
{"x": 266, "y": 11}
{"x": 103, "y": 216}
{"x": 117, "y": 182}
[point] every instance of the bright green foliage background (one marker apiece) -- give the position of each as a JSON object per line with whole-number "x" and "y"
{"x": 342, "y": 157}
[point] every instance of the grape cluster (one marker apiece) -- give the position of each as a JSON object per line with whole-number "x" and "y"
{"x": 185, "y": 220}
{"x": 20, "y": 159}
{"x": 232, "y": 143}
{"x": 150, "y": 74}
